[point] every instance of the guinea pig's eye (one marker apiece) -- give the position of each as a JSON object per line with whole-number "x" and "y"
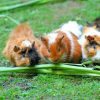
{"x": 23, "y": 55}
{"x": 23, "y": 51}
{"x": 94, "y": 46}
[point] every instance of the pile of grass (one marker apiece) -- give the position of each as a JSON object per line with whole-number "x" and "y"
{"x": 62, "y": 69}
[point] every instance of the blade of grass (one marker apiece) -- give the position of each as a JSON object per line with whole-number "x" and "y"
{"x": 5, "y": 8}
{"x": 87, "y": 62}
{"x": 72, "y": 64}
{"x": 97, "y": 67}
{"x": 27, "y": 3}
{"x": 10, "y": 18}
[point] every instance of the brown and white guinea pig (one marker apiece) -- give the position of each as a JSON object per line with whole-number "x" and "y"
{"x": 90, "y": 44}
{"x": 20, "y": 46}
{"x": 63, "y": 45}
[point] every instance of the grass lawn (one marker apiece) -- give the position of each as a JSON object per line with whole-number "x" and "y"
{"x": 43, "y": 19}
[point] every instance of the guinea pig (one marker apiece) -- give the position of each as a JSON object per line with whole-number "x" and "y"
{"x": 62, "y": 47}
{"x": 90, "y": 44}
{"x": 19, "y": 47}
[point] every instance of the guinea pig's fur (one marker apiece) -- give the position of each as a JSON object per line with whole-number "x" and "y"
{"x": 20, "y": 45}
{"x": 90, "y": 44}
{"x": 62, "y": 47}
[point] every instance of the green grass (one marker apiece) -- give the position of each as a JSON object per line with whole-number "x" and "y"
{"x": 43, "y": 19}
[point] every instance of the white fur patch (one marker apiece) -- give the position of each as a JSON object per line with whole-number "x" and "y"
{"x": 52, "y": 37}
{"x": 97, "y": 56}
{"x": 84, "y": 56}
{"x": 26, "y": 43}
{"x": 92, "y": 32}
{"x": 81, "y": 40}
{"x": 72, "y": 26}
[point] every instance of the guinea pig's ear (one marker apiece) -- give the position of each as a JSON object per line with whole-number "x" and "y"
{"x": 94, "y": 26}
{"x": 33, "y": 44}
{"x": 89, "y": 38}
{"x": 44, "y": 40}
{"x": 89, "y": 24}
{"x": 16, "y": 48}
{"x": 60, "y": 38}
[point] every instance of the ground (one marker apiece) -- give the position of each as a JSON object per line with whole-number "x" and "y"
{"x": 43, "y": 19}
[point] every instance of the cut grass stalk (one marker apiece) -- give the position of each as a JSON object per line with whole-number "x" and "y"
{"x": 72, "y": 64}
{"x": 26, "y": 69}
{"x": 26, "y": 3}
{"x": 97, "y": 67}
{"x": 82, "y": 64}
{"x": 5, "y": 8}
{"x": 54, "y": 69}
{"x": 87, "y": 62}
